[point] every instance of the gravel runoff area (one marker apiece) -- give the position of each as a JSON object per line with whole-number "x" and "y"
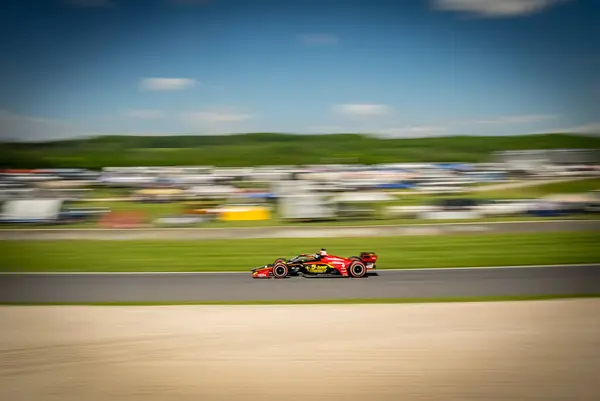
{"x": 530, "y": 350}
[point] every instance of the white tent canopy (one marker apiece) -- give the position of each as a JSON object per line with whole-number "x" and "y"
{"x": 213, "y": 190}
{"x": 32, "y": 209}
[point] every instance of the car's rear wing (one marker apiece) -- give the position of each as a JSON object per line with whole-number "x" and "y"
{"x": 368, "y": 257}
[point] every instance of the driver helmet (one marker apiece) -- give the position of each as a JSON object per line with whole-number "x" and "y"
{"x": 323, "y": 252}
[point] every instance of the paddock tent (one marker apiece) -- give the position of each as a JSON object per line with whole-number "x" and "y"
{"x": 31, "y": 210}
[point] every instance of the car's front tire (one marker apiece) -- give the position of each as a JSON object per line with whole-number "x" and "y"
{"x": 280, "y": 270}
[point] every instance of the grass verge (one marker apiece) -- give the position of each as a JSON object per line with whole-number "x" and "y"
{"x": 345, "y": 301}
{"x": 336, "y": 223}
{"x": 470, "y": 250}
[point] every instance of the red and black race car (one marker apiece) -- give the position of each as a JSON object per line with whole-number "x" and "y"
{"x": 318, "y": 265}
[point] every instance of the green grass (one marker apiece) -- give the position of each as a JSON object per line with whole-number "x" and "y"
{"x": 151, "y": 210}
{"x": 99, "y": 192}
{"x": 340, "y": 223}
{"x": 344, "y": 301}
{"x": 244, "y": 254}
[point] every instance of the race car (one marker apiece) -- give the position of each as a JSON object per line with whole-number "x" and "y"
{"x": 318, "y": 265}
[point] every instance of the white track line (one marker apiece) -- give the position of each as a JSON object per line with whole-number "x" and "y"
{"x": 248, "y": 272}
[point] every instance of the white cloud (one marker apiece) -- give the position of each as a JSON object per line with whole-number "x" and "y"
{"x": 143, "y": 113}
{"x": 590, "y": 129}
{"x": 15, "y": 127}
{"x": 364, "y": 110}
{"x": 503, "y": 125}
{"x": 212, "y": 117}
{"x": 496, "y": 8}
{"x": 216, "y": 121}
{"x": 525, "y": 119}
{"x": 166, "y": 84}
{"x": 418, "y": 131}
{"x": 90, "y": 3}
{"x": 318, "y": 39}
{"x": 325, "y": 129}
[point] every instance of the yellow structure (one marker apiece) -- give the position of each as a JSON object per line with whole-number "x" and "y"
{"x": 159, "y": 192}
{"x": 239, "y": 213}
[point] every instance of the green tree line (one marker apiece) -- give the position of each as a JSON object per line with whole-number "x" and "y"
{"x": 258, "y": 149}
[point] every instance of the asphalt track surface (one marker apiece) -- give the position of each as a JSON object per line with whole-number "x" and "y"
{"x": 189, "y": 287}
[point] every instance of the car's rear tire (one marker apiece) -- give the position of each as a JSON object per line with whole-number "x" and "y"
{"x": 357, "y": 269}
{"x": 280, "y": 270}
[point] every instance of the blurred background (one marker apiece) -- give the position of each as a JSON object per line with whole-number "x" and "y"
{"x": 207, "y": 136}
{"x": 511, "y": 185}
{"x": 214, "y": 113}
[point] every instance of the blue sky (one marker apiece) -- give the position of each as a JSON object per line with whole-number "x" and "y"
{"x": 395, "y": 68}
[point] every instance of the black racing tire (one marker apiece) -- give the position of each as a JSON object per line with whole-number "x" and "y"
{"x": 355, "y": 258}
{"x": 280, "y": 270}
{"x": 279, "y": 260}
{"x": 357, "y": 269}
